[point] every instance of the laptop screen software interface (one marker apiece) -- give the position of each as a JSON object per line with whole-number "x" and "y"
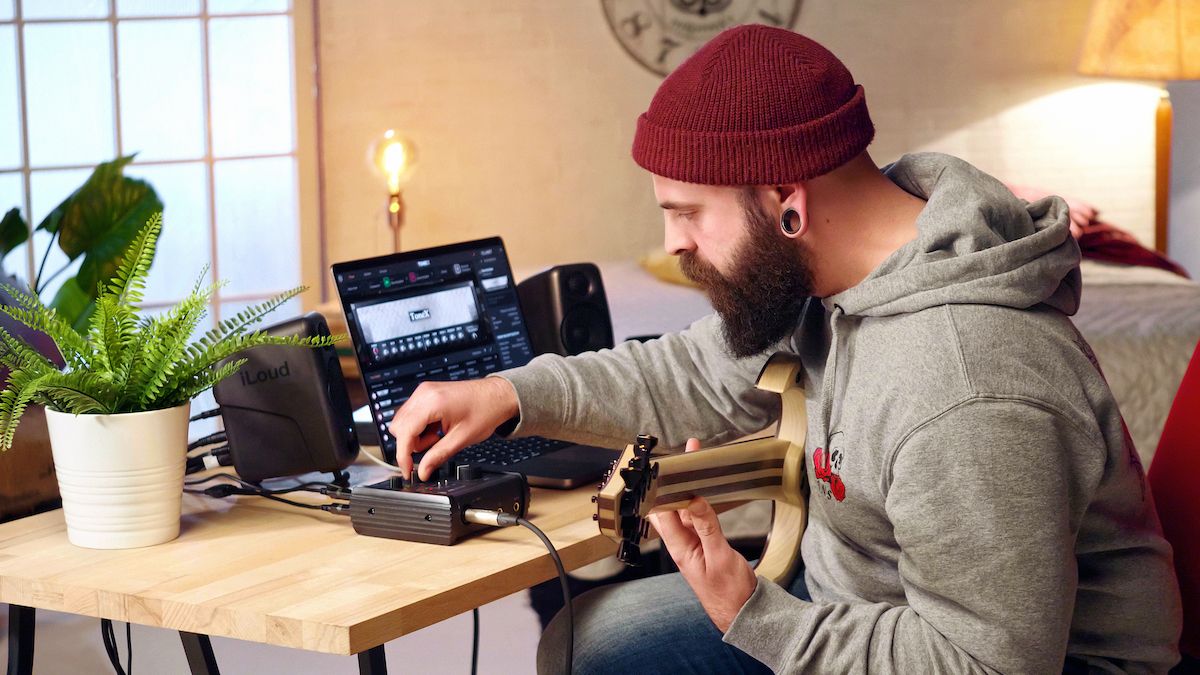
{"x": 447, "y": 313}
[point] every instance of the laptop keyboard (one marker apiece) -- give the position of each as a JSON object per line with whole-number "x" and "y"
{"x": 505, "y": 451}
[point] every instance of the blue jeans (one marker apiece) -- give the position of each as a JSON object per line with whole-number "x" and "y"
{"x": 653, "y": 625}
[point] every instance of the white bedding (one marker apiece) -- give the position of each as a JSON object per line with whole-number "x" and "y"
{"x": 1143, "y": 324}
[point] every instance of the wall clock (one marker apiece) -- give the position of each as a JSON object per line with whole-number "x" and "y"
{"x": 660, "y": 34}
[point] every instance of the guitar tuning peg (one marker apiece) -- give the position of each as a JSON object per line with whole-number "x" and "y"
{"x": 595, "y": 516}
{"x": 593, "y": 499}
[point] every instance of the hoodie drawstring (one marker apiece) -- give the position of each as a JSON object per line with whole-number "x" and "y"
{"x": 829, "y": 377}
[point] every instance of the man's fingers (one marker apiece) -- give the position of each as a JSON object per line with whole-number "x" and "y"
{"x": 421, "y": 443}
{"x": 678, "y": 538}
{"x": 411, "y": 422}
{"x": 442, "y": 450}
{"x": 431, "y": 435}
{"x": 707, "y": 527}
{"x": 693, "y": 444}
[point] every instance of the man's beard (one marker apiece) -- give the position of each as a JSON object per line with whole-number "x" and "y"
{"x": 761, "y": 300}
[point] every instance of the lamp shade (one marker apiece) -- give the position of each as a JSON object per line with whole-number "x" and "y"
{"x": 1146, "y": 39}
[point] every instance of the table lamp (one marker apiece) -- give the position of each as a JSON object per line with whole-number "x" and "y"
{"x": 1152, "y": 40}
{"x": 394, "y": 157}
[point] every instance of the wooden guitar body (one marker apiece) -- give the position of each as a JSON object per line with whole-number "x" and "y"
{"x": 641, "y": 483}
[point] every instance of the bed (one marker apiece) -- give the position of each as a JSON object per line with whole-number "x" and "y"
{"x": 1142, "y": 322}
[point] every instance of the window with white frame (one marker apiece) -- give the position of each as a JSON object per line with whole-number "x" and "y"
{"x": 201, "y": 90}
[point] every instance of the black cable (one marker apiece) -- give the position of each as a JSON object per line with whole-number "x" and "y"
{"x": 110, "y": 646}
{"x": 109, "y": 638}
{"x": 225, "y": 490}
{"x": 320, "y": 487}
{"x": 475, "y": 641}
{"x": 218, "y": 437}
{"x": 206, "y": 414}
{"x": 212, "y": 477}
{"x": 562, "y": 577}
{"x": 501, "y": 519}
{"x": 314, "y": 507}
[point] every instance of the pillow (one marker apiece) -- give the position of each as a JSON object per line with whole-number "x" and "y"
{"x": 665, "y": 267}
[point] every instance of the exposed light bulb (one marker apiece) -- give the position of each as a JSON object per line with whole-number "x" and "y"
{"x": 394, "y": 157}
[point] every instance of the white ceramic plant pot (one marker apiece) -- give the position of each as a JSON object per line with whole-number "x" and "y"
{"x": 121, "y": 476}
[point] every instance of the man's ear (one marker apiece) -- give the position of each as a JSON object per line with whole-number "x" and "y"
{"x": 793, "y": 209}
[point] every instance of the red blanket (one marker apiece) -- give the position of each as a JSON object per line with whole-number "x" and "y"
{"x": 1103, "y": 241}
{"x": 1109, "y": 243}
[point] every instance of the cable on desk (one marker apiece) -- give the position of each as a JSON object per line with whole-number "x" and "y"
{"x": 495, "y": 519}
{"x": 212, "y": 477}
{"x": 382, "y": 462}
{"x": 222, "y": 490}
{"x": 205, "y": 415}
{"x": 218, "y": 437}
{"x": 219, "y": 456}
{"x": 309, "y": 486}
{"x": 109, "y": 638}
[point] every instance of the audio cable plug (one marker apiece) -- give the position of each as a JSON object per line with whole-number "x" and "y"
{"x": 491, "y": 518}
{"x": 336, "y": 491}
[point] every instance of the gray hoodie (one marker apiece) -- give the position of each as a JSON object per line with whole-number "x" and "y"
{"x": 977, "y": 505}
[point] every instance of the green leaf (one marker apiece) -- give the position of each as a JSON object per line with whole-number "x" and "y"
{"x": 192, "y": 374}
{"x": 79, "y": 392}
{"x": 74, "y": 304}
{"x": 99, "y": 221}
{"x": 129, "y": 281}
{"x": 22, "y": 386}
{"x": 25, "y": 356}
{"x": 165, "y": 342}
{"x": 70, "y": 344}
{"x": 13, "y": 232}
{"x": 246, "y": 318}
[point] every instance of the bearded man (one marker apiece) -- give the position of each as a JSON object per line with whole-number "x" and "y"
{"x": 976, "y": 504}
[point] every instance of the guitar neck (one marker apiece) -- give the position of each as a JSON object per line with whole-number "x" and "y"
{"x": 743, "y": 471}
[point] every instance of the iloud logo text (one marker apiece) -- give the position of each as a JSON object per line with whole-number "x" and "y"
{"x": 249, "y": 378}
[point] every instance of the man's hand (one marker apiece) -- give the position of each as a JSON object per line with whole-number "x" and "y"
{"x": 721, "y": 578}
{"x": 463, "y": 412}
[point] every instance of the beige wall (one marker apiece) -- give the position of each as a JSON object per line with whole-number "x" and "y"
{"x": 523, "y": 112}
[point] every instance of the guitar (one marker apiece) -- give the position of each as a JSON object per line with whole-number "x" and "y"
{"x": 641, "y": 483}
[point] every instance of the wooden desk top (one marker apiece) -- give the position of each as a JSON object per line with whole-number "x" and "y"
{"x": 251, "y": 569}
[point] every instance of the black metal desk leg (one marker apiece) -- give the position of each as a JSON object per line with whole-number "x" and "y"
{"x": 20, "y": 640}
{"x": 199, "y": 651}
{"x": 372, "y": 662}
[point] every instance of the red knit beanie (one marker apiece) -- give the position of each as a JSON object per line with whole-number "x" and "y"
{"x": 755, "y": 106}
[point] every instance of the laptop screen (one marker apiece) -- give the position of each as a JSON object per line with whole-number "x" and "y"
{"x": 446, "y": 313}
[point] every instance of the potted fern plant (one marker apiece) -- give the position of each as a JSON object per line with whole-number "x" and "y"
{"x": 118, "y": 409}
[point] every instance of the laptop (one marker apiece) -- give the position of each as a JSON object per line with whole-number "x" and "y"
{"x": 445, "y": 314}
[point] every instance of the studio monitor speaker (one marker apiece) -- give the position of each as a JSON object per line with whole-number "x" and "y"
{"x": 286, "y": 411}
{"x": 566, "y": 310}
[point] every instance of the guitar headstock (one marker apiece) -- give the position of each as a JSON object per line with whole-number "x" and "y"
{"x": 763, "y": 468}
{"x": 620, "y": 506}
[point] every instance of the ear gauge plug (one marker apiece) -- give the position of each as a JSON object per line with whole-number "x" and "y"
{"x": 790, "y": 222}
